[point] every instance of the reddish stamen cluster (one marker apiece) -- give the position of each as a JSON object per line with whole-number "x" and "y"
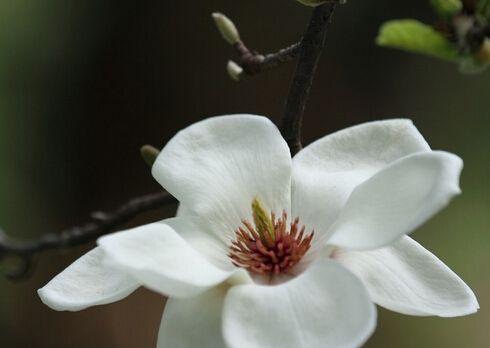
{"x": 266, "y": 254}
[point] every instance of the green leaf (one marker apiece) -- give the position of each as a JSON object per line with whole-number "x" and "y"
{"x": 483, "y": 10}
{"x": 446, "y": 8}
{"x": 414, "y": 36}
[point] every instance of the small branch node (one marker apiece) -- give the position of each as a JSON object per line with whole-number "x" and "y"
{"x": 250, "y": 62}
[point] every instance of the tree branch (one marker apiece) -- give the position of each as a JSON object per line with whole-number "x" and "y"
{"x": 102, "y": 223}
{"x": 311, "y": 48}
{"x": 250, "y": 62}
{"x": 253, "y": 63}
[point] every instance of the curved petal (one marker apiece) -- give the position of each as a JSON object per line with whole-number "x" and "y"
{"x": 397, "y": 200}
{"x": 160, "y": 259}
{"x": 193, "y": 322}
{"x": 327, "y": 171}
{"x": 326, "y": 306}
{"x": 408, "y": 279}
{"x": 193, "y": 230}
{"x": 86, "y": 282}
{"x": 216, "y": 168}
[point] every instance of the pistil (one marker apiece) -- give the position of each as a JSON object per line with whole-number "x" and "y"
{"x": 272, "y": 246}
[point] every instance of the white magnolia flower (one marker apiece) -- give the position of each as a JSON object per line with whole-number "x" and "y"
{"x": 239, "y": 277}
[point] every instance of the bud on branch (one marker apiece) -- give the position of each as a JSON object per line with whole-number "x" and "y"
{"x": 227, "y": 28}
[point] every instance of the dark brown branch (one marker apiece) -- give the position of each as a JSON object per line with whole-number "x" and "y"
{"x": 253, "y": 63}
{"x": 102, "y": 223}
{"x": 311, "y": 47}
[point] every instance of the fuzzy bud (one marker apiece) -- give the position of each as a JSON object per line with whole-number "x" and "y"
{"x": 149, "y": 154}
{"x": 227, "y": 28}
{"x": 234, "y": 70}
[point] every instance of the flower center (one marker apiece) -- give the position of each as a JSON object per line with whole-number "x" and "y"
{"x": 272, "y": 246}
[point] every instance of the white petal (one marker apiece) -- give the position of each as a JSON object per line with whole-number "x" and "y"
{"x": 160, "y": 259}
{"x": 183, "y": 211}
{"x": 407, "y": 278}
{"x": 326, "y": 306}
{"x": 195, "y": 231}
{"x": 216, "y": 167}
{"x": 397, "y": 200}
{"x": 86, "y": 282}
{"x": 326, "y": 172}
{"x": 193, "y": 322}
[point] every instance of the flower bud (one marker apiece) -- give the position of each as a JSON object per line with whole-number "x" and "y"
{"x": 227, "y": 28}
{"x": 234, "y": 70}
{"x": 149, "y": 154}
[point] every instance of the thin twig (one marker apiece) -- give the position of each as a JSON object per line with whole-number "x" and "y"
{"x": 102, "y": 223}
{"x": 311, "y": 48}
{"x": 253, "y": 63}
{"x": 250, "y": 62}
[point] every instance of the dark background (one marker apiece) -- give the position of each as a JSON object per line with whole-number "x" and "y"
{"x": 83, "y": 84}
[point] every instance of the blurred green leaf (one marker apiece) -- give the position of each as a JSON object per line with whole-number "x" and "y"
{"x": 478, "y": 61}
{"x": 414, "y": 36}
{"x": 483, "y": 10}
{"x": 446, "y": 8}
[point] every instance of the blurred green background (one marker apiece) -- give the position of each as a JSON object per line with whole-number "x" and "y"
{"x": 84, "y": 83}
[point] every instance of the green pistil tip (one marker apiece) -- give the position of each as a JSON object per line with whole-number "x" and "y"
{"x": 262, "y": 220}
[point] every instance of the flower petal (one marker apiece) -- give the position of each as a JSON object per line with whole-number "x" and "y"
{"x": 160, "y": 259}
{"x": 193, "y": 322}
{"x": 326, "y": 306}
{"x": 216, "y": 167}
{"x": 86, "y": 282}
{"x": 183, "y": 211}
{"x": 397, "y": 200}
{"x": 407, "y": 278}
{"x": 327, "y": 171}
{"x": 195, "y": 232}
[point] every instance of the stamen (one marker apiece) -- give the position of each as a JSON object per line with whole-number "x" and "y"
{"x": 269, "y": 248}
